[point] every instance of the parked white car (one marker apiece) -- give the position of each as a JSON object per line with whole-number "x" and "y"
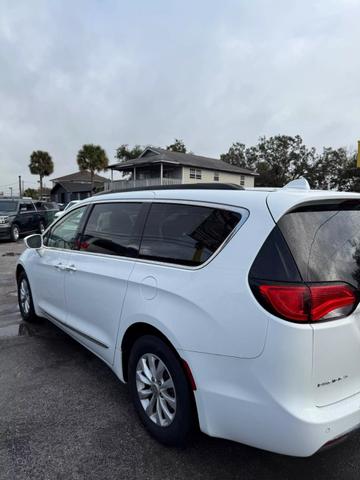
{"x": 60, "y": 213}
{"x": 231, "y": 309}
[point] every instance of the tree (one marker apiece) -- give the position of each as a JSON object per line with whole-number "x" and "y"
{"x": 241, "y": 156}
{"x": 124, "y": 153}
{"x": 31, "y": 192}
{"x": 282, "y": 158}
{"x": 277, "y": 160}
{"x": 236, "y": 155}
{"x": 92, "y": 158}
{"x": 327, "y": 168}
{"x": 41, "y": 164}
{"x": 349, "y": 176}
{"x": 177, "y": 146}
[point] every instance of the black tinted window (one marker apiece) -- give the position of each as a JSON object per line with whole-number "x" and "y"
{"x": 113, "y": 229}
{"x": 185, "y": 234}
{"x": 274, "y": 260}
{"x": 325, "y": 241}
{"x": 40, "y": 206}
{"x": 26, "y": 207}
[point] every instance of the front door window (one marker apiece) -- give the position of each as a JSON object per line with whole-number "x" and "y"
{"x": 65, "y": 233}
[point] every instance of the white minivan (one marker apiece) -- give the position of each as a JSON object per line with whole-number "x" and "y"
{"x": 228, "y": 309}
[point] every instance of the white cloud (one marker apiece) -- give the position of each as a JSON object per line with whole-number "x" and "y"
{"x": 144, "y": 72}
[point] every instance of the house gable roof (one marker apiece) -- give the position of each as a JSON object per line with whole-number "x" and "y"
{"x": 152, "y": 155}
{"x": 81, "y": 176}
{"x": 72, "y": 187}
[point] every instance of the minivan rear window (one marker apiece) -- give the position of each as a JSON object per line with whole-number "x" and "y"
{"x": 324, "y": 239}
{"x": 185, "y": 234}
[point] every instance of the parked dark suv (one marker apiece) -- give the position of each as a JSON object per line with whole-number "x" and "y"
{"x": 47, "y": 210}
{"x": 18, "y": 216}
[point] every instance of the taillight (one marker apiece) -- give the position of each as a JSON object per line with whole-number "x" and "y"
{"x": 308, "y": 303}
{"x": 331, "y": 301}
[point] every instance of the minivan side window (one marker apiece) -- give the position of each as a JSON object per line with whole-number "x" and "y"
{"x": 185, "y": 234}
{"x": 66, "y": 232}
{"x": 113, "y": 229}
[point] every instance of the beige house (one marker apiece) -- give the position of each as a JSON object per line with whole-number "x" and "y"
{"x": 156, "y": 166}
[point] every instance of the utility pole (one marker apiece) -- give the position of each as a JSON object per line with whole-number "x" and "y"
{"x": 20, "y": 186}
{"x": 10, "y": 191}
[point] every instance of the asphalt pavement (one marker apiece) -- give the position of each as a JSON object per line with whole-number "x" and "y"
{"x": 64, "y": 415}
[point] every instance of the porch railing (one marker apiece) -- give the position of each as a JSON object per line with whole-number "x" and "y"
{"x": 119, "y": 185}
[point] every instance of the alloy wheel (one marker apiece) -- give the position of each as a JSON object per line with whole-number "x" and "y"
{"x": 156, "y": 390}
{"x": 24, "y": 296}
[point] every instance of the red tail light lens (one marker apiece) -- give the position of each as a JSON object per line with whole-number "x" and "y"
{"x": 290, "y": 302}
{"x": 331, "y": 301}
{"x": 309, "y": 303}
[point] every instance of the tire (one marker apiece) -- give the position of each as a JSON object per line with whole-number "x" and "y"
{"x": 26, "y": 304}
{"x": 173, "y": 431}
{"x": 41, "y": 227}
{"x": 14, "y": 233}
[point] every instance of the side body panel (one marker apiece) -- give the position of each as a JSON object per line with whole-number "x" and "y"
{"x": 94, "y": 292}
{"x": 204, "y": 309}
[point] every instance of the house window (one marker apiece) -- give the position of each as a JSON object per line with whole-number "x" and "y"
{"x": 216, "y": 176}
{"x": 195, "y": 173}
{"x": 242, "y": 180}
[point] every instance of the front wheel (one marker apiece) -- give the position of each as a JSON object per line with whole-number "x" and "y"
{"x": 25, "y": 300}
{"x": 160, "y": 391}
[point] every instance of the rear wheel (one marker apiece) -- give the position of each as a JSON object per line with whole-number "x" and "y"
{"x": 160, "y": 391}
{"x": 25, "y": 300}
{"x": 14, "y": 233}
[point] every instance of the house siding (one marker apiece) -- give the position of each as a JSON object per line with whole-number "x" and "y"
{"x": 207, "y": 176}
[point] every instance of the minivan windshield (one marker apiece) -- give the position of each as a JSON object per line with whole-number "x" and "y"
{"x": 324, "y": 239}
{"x": 8, "y": 205}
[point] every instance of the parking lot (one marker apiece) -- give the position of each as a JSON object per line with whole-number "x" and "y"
{"x": 64, "y": 415}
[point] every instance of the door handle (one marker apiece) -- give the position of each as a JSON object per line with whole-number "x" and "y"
{"x": 70, "y": 268}
{"x": 60, "y": 266}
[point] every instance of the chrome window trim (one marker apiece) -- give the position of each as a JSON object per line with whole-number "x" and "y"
{"x": 242, "y": 210}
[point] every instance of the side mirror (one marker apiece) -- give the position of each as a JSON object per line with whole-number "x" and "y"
{"x": 34, "y": 241}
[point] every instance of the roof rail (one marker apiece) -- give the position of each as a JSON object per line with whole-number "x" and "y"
{"x": 298, "y": 184}
{"x": 182, "y": 186}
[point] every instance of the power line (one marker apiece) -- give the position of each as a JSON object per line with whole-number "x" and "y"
{"x": 8, "y": 185}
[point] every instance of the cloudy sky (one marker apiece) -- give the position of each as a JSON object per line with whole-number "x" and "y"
{"x": 209, "y": 72}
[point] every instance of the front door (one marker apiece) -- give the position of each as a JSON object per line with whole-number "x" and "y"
{"x": 96, "y": 284}
{"x": 52, "y": 265}
{"x": 24, "y": 219}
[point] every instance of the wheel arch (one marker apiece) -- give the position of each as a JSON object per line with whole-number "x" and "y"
{"x": 134, "y": 332}
{"x": 19, "y": 269}
{"x": 139, "y": 329}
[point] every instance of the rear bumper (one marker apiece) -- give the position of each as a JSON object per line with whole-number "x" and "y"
{"x": 268, "y": 402}
{"x": 235, "y": 405}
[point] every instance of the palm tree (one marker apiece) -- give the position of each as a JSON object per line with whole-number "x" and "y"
{"x": 41, "y": 164}
{"x": 93, "y": 158}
